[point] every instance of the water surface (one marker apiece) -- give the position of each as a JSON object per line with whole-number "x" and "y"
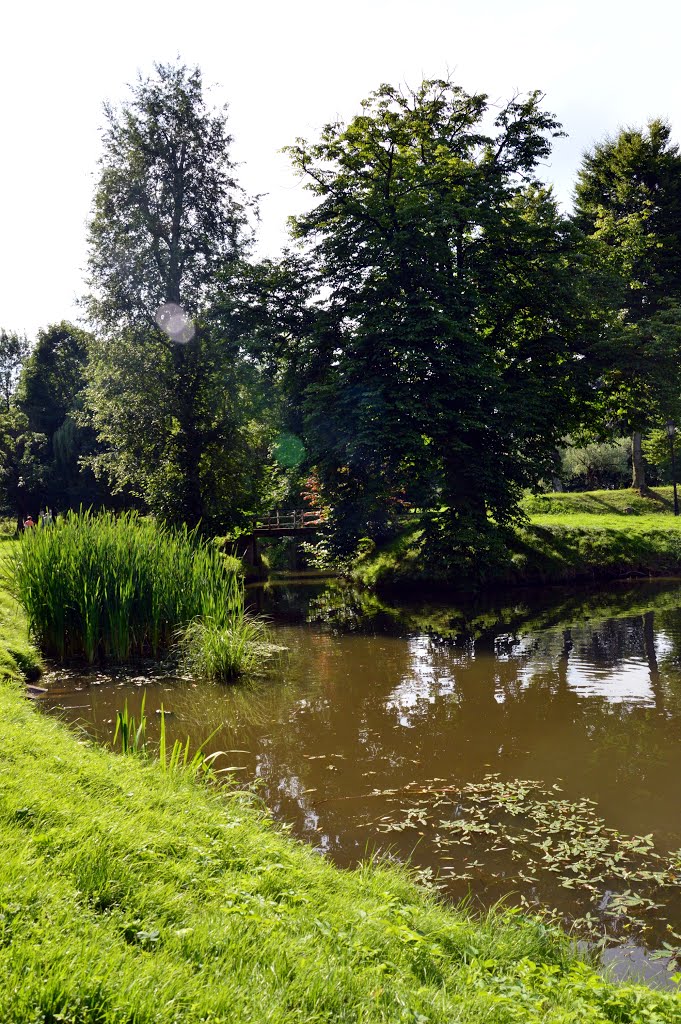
{"x": 375, "y": 702}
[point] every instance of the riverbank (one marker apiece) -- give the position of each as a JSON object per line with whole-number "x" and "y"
{"x": 128, "y": 893}
{"x": 567, "y": 538}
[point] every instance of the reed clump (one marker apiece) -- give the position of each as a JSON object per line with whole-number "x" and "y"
{"x": 216, "y": 650}
{"x": 116, "y": 587}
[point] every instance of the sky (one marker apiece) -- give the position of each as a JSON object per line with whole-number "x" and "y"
{"x": 286, "y": 68}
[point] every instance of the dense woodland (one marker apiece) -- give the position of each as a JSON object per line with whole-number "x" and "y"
{"x": 439, "y": 338}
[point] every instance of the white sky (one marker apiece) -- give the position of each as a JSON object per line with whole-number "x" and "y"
{"x": 286, "y": 68}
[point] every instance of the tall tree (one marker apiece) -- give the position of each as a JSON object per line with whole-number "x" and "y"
{"x": 50, "y": 394}
{"x": 628, "y": 200}
{"x": 442, "y": 362}
{"x": 21, "y": 449}
{"x": 167, "y": 392}
{"x": 14, "y": 350}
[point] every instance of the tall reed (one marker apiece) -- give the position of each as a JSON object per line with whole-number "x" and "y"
{"x": 98, "y": 585}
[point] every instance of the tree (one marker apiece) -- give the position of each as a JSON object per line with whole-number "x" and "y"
{"x": 50, "y": 394}
{"x": 14, "y": 350}
{"x": 628, "y": 200}
{"x": 167, "y": 392}
{"x": 20, "y": 449}
{"x": 443, "y": 362}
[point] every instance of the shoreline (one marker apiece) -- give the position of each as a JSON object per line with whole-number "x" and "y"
{"x": 132, "y": 892}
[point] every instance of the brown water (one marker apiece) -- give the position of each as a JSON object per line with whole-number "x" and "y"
{"x": 378, "y": 706}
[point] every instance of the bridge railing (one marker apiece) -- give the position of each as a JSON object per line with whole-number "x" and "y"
{"x": 295, "y": 519}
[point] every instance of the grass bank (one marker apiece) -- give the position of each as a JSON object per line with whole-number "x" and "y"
{"x": 588, "y": 537}
{"x": 132, "y": 895}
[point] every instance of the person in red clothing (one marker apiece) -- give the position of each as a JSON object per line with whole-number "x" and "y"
{"x": 28, "y": 522}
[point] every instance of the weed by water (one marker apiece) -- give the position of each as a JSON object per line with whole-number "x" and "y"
{"x": 216, "y": 649}
{"x": 130, "y": 737}
{"x": 100, "y": 585}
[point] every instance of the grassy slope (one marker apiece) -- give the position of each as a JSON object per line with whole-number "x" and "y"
{"x": 587, "y": 536}
{"x": 617, "y": 503}
{"x": 131, "y": 896}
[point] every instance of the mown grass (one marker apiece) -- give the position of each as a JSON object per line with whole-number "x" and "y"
{"x": 116, "y": 587}
{"x": 131, "y": 894}
{"x": 593, "y": 536}
{"x": 658, "y": 501}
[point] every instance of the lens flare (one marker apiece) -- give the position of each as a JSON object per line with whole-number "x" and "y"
{"x": 289, "y": 451}
{"x": 174, "y": 322}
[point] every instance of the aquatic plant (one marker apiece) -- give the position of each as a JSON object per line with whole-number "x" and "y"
{"x": 523, "y": 837}
{"x": 102, "y": 585}
{"x": 215, "y": 649}
{"x": 130, "y": 736}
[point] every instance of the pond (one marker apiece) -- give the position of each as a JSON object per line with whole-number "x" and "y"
{"x": 403, "y": 729}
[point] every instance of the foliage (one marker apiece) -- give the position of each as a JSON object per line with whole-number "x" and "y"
{"x": 519, "y": 834}
{"x": 169, "y": 395}
{"x": 50, "y": 394}
{"x": 657, "y": 452}
{"x": 134, "y": 408}
{"x": 23, "y": 457}
{"x": 21, "y": 450}
{"x": 594, "y": 466}
{"x": 116, "y": 587}
{"x": 217, "y": 650}
{"x": 438, "y": 365}
{"x": 130, "y": 893}
{"x": 14, "y": 349}
{"x": 628, "y": 200}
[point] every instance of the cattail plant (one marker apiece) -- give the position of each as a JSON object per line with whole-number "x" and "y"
{"x": 115, "y": 587}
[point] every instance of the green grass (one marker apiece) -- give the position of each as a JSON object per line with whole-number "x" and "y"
{"x": 19, "y": 658}
{"x": 132, "y": 894}
{"x": 568, "y": 537}
{"x": 659, "y": 501}
{"x": 116, "y": 587}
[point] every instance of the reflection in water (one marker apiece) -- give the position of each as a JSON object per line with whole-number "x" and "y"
{"x": 374, "y": 697}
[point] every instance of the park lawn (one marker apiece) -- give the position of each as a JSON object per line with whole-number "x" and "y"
{"x": 626, "y": 502}
{"x": 644, "y": 523}
{"x": 566, "y": 538}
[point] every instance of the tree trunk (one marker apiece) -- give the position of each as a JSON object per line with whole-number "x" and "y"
{"x": 190, "y": 503}
{"x": 651, "y": 658}
{"x": 638, "y": 469}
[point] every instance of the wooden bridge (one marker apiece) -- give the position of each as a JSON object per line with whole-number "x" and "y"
{"x": 287, "y": 524}
{"x": 298, "y": 522}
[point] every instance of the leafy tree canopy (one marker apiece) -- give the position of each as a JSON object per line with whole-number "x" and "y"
{"x": 168, "y": 393}
{"x": 444, "y": 358}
